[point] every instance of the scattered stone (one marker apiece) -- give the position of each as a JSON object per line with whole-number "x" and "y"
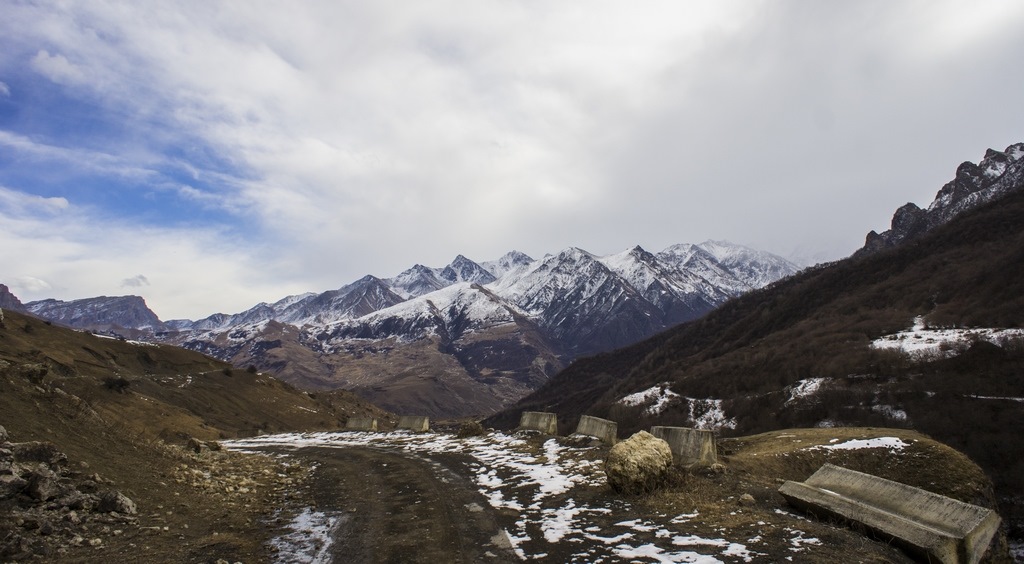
{"x": 638, "y": 464}
{"x": 197, "y": 446}
{"x": 747, "y": 500}
{"x": 117, "y": 502}
{"x": 43, "y": 484}
{"x": 46, "y": 528}
{"x": 11, "y": 485}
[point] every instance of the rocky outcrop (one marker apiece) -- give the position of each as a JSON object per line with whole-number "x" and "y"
{"x": 9, "y": 300}
{"x": 40, "y": 501}
{"x": 998, "y": 174}
{"x": 638, "y": 464}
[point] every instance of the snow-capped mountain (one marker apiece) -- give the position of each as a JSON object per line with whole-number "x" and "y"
{"x": 101, "y": 313}
{"x": 496, "y": 329}
{"x": 998, "y": 173}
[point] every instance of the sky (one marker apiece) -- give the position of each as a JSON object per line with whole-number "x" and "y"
{"x": 209, "y": 156}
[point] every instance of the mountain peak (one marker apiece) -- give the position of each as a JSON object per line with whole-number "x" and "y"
{"x": 996, "y": 175}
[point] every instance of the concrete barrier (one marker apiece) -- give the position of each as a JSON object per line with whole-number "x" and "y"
{"x": 361, "y": 424}
{"x": 690, "y": 446}
{"x": 546, "y": 423}
{"x": 607, "y": 431}
{"x": 927, "y": 525}
{"x": 414, "y": 423}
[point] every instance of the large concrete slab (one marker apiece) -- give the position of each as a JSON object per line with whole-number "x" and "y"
{"x": 607, "y": 431}
{"x": 415, "y": 423}
{"x": 690, "y": 446}
{"x": 361, "y": 424}
{"x": 925, "y": 524}
{"x": 542, "y": 421}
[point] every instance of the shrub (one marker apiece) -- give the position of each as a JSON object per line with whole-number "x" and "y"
{"x": 117, "y": 384}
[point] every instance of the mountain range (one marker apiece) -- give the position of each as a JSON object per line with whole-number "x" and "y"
{"x": 468, "y": 338}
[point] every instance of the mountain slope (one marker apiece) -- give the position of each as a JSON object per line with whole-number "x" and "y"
{"x": 808, "y": 351}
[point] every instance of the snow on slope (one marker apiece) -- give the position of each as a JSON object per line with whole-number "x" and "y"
{"x": 921, "y": 340}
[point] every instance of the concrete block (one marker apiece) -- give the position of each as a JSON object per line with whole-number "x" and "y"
{"x": 607, "y": 431}
{"x": 414, "y": 423}
{"x": 925, "y": 524}
{"x": 690, "y": 446}
{"x": 544, "y": 422}
{"x": 361, "y": 424}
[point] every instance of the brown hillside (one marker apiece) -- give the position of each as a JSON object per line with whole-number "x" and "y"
{"x": 121, "y": 412}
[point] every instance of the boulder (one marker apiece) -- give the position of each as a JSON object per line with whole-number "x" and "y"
{"x": 11, "y": 485}
{"x": 638, "y": 464}
{"x": 117, "y": 502}
{"x": 43, "y": 484}
{"x": 4, "y": 435}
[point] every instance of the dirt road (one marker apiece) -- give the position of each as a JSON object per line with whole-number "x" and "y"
{"x": 402, "y": 507}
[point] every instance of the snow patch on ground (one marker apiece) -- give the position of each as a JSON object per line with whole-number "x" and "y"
{"x": 920, "y": 340}
{"x": 656, "y": 398}
{"x": 539, "y": 486}
{"x": 804, "y": 388}
{"x": 309, "y": 539}
{"x": 708, "y": 414}
{"x": 891, "y": 443}
{"x": 704, "y": 413}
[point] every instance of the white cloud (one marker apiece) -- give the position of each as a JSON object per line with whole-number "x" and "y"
{"x": 4, "y": 89}
{"x": 15, "y": 202}
{"x": 381, "y": 134}
{"x": 57, "y": 68}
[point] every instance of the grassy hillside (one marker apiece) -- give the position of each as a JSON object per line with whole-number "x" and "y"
{"x": 122, "y": 413}
{"x": 752, "y": 352}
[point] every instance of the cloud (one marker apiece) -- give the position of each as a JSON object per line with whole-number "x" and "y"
{"x": 4, "y": 89}
{"x": 57, "y": 68}
{"x": 15, "y": 202}
{"x": 339, "y": 139}
{"x": 136, "y": 281}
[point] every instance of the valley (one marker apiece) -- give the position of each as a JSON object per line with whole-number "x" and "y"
{"x": 902, "y": 361}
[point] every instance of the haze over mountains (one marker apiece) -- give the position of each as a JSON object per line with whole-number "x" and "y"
{"x": 467, "y": 338}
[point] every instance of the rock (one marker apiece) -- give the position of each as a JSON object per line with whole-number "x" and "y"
{"x": 43, "y": 484}
{"x": 46, "y": 528}
{"x": 197, "y": 446}
{"x": 11, "y": 485}
{"x": 78, "y": 501}
{"x": 638, "y": 464}
{"x": 747, "y": 500}
{"x": 116, "y": 502}
{"x": 39, "y": 451}
{"x": 470, "y": 429}
{"x": 4, "y": 435}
